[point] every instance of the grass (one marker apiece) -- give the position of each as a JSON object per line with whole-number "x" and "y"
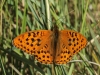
{"x": 20, "y": 16}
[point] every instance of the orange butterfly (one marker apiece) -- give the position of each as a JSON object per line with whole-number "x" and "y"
{"x": 50, "y": 47}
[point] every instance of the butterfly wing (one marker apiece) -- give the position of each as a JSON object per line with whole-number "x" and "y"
{"x": 45, "y": 55}
{"x": 69, "y": 43}
{"x": 36, "y": 43}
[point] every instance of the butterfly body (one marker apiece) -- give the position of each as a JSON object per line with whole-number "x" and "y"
{"x": 50, "y": 47}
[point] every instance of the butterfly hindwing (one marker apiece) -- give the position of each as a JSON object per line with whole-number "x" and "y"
{"x": 44, "y": 55}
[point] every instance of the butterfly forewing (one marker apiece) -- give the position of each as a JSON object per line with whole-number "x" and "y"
{"x": 75, "y": 41}
{"x": 32, "y": 41}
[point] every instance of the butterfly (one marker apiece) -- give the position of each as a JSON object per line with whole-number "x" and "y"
{"x": 50, "y": 47}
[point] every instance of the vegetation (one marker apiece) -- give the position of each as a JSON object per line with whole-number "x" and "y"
{"x": 19, "y": 16}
